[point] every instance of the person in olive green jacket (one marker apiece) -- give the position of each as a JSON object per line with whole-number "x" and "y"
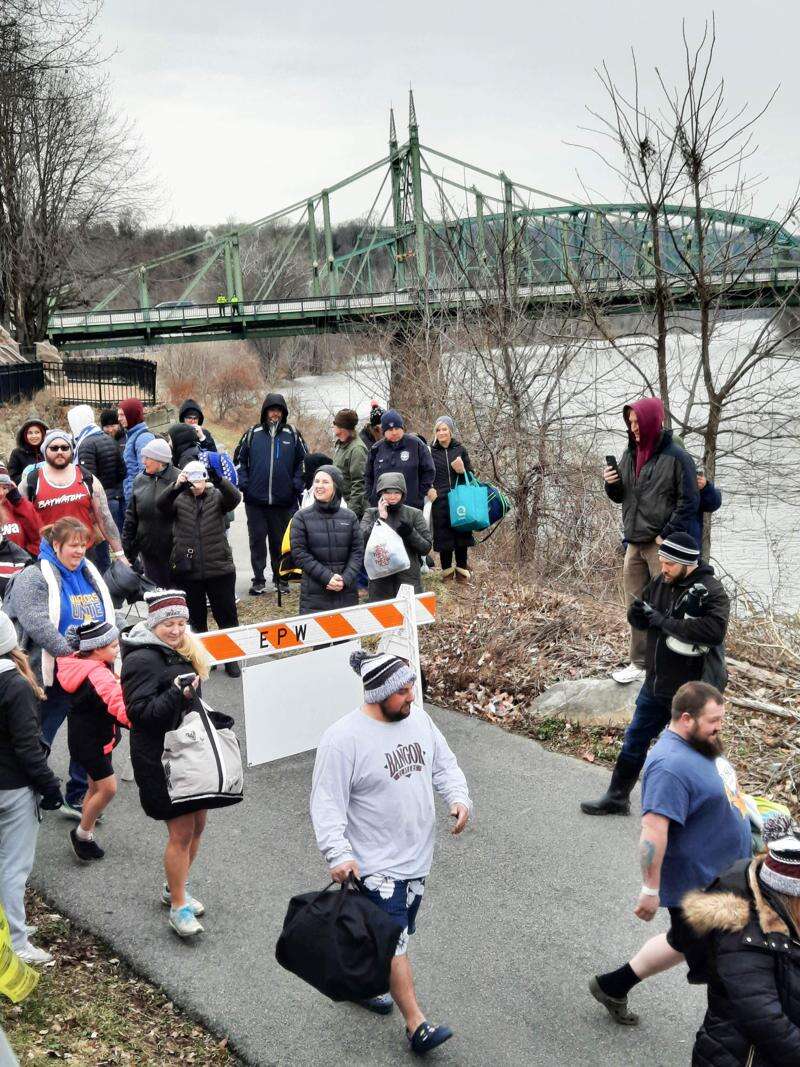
{"x": 350, "y": 456}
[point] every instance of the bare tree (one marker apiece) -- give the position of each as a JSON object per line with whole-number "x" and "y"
{"x": 68, "y": 163}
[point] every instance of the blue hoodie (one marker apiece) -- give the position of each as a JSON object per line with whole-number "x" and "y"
{"x": 79, "y": 598}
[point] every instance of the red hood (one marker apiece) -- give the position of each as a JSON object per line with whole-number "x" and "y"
{"x": 650, "y": 413}
{"x": 73, "y": 671}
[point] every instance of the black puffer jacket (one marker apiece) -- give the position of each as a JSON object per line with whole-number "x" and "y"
{"x": 101, "y": 455}
{"x": 444, "y": 536}
{"x": 200, "y": 548}
{"x": 663, "y": 499}
{"x": 154, "y": 705}
{"x": 147, "y": 529}
{"x": 326, "y": 540}
{"x": 22, "y": 759}
{"x": 23, "y": 455}
{"x": 750, "y": 953}
{"x": 410, "y": 524}
{"x": 666, "y": 669}
{"x": 185, "y": 446}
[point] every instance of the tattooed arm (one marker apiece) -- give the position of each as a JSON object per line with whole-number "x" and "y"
{"x": 103, "y": 517}
{"x": 652, "y": 846}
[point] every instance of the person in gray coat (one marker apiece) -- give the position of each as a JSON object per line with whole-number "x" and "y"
{"x": 409, "y": 523}
{"x": 327, "y": 546}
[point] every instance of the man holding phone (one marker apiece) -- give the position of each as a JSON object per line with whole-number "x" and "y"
{"x": 656, "y": 484}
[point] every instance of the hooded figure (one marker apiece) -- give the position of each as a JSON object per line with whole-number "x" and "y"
{"x": 269, "y": 461}
{"x": 185, "y": 445}
{"x": 96, "y": 452}
{"x": 326, "y": 544}
{"x": 192, "y": 414}
{"x": 410, "y": 524}
{"x": 137, "y": 435}
{"x": 27, "y": 451}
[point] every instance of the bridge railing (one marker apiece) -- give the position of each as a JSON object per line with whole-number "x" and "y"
{"x": 311, "y": 307}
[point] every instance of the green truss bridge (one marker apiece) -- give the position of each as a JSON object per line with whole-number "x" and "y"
{"x": 439, "y": 235}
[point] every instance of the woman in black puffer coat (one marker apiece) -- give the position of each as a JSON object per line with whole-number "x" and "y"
{"x": 201, "y": 559}
{"x": 749, "y": 952}
{"x": 327, "y": 546}
{"x": 450, "y": 459}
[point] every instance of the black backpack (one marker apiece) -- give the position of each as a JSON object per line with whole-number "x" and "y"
{"x": 341, "y": 943}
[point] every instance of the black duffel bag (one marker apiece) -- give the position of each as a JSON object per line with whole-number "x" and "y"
{"x": 341, "y": 943}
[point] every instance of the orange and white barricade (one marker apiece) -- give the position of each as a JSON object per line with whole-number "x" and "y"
{"x": 290, "y": 701}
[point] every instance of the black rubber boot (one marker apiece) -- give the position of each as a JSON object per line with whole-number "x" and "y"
{"x": 616, "y": 799}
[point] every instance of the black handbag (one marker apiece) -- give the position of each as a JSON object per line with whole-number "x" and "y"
{"x": 341, "y": 943}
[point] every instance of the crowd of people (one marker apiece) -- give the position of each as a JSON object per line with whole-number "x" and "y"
{"x": 108, "y": 492}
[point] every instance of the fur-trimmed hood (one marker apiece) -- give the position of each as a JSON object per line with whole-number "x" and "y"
{"x": 728, "y": 911}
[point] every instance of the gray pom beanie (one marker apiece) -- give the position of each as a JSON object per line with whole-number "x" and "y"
{"x": 381, "y": 674}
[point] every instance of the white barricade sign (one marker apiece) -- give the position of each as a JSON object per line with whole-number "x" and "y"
{"x": 308, "y": 631}
{"x": 290, "y": 702}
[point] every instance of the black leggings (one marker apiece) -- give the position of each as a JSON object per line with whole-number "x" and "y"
{"x": 446, "y": 556}
{"x": 221, "y": 594}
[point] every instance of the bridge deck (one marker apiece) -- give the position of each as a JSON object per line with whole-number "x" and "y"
{"x": 307, "y": 315}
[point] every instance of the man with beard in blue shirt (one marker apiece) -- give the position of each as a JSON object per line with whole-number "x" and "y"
{"x": 695, "y": 824}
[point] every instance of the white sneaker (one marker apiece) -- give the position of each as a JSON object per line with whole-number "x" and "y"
{"x": 183, "y": 922}
{"x": 32, "y": 954}
{"x": 628, "y": 674}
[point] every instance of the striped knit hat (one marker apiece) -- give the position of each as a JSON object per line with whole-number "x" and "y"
{"x": 781, "y": 868}
{"x": 680, "y": 548}
{"x": 163, "y": 604}
{"x": 382, "y": 675}
{"x": 55, "y": 435}
{"x": 95, "y": 634}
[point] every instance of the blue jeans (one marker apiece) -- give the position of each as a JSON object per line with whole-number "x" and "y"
{"x": 54, "y": 710}
{"x": 650, "y": 717}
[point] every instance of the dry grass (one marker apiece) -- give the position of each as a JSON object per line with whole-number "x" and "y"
{"x": 91, "y": 1010}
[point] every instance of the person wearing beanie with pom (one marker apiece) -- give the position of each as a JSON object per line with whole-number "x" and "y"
{"x": 326, "y": 545}
{"x": 163, "y": 665}
{"x": 372, "y": 807}
{"x": 24, "y": 778}
{"x": 683, "y": 614}
{"x": 96, "y": 713}
{"x": 371, "y": 431}
{"x": 147, "y": 531}
{"x": 399, "y": 452}
{"x": 695, "y": 824}
{"x": 747, "y": 925}
{"x": 350, "y": 456}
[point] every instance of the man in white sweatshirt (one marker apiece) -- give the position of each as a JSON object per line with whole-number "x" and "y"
{"x": 373, "y": 812}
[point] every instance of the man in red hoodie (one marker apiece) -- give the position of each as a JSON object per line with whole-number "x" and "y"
{"x": 656, "y": 484}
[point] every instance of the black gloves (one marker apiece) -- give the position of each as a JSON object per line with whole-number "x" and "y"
{"x": 51, "y": 797}
{"x": 643, "y": 615}
{"x": 694, "y": 602}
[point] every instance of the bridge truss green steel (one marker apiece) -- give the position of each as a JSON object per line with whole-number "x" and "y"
{"x": 434, "y": 236}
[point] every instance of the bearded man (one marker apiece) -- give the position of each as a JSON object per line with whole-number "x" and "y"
{"x": 684, "y": 611}
{"x": 695, "y": 824}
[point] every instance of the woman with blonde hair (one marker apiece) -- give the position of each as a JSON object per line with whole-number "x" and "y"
{"x": 163, "y": 664}
{"x": 26, "y": 784}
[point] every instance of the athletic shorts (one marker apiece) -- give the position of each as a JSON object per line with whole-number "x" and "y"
{"x": 98, "y": 767}
{"x": 399, "y": 898}
{"x": 679, "y": 935}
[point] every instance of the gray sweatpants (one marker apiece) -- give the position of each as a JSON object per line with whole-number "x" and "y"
{"x": 19, "y": 828}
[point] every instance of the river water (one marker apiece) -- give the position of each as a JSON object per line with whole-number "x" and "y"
{"x": 756, "y": 539}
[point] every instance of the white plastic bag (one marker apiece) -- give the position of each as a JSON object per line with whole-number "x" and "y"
{"x": 385, "y": 553}
{"x": 427, "y": 508}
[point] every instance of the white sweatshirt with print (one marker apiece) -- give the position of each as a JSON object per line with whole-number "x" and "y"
{"x": 372, "y": 792}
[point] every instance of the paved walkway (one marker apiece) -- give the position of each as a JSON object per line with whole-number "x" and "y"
{"x": 520, "y": 910}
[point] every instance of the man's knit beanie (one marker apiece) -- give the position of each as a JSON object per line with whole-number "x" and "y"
{"x": 55, "y": 435}
{"x": 680, "y": 548}
{"x": 163, "y": 604}
{"x": 381, "y": 674}
{"x": 392, "y": 420}
{"x": 781, "y": 868}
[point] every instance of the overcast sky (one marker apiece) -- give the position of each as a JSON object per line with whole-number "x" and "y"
{"x": 248, "y": 105}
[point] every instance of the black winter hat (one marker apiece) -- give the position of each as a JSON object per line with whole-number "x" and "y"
{"x": 680, "y": 548}
{"x": 311, "y": 464}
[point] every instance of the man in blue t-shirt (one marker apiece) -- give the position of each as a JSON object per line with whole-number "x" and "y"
{"x": 695, "y": 824}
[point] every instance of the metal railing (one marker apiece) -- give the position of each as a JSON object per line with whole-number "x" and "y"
{"x": 100, "y": 382}
{"x": 67, "y": 322}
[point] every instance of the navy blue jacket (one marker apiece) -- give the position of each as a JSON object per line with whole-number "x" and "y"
{"x": 410, "y": 457}
{"x": 710, "y": 500}
{"x": 270, "y": 467}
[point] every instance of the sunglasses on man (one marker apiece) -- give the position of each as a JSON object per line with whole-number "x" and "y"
{"x": 59, "y": 448}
